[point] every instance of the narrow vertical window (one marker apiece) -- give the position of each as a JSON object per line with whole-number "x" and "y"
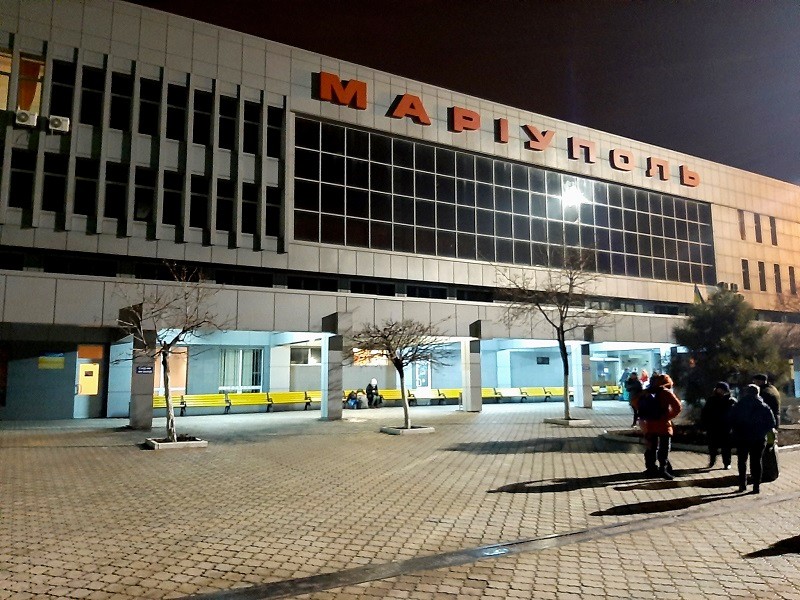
{"x": 773, "y": 231}
{"x": 762, "y": 276}
{"x": 274, "y": 131}
{"x": 149, "y": 103}
{"x": 177, "y": 99}
{"x": 23, "y": 164}
{"x": 778, "y": 283}
{"x": 225, "y": 195}
{"x": 62, "y": 88}
{"x": 29, "y": 88}
{"x": 55, "y": 182}
{"x": 86, "y": 172}
{"x": 198, "y": 206}
{"x": 792, "y": 282}
{"x": 227, "y": 122}
{"x": 745, "y": 274}
{"x": 251, "y": 127}
{"x": 757, "y": 220}
{"x": 121, "y": 101}
{"x": 173, "y": 187}
{"x": 249, "y": 207}
{"x": 116, "y": 190}
{"x": 203, "y": 107}
{"x": 742, "y": 227}
{"x": 144, "y": 194}
{"x": 92, "y": 86}
{"x": 272, "y": 212}
{"x": 5, "y": 77}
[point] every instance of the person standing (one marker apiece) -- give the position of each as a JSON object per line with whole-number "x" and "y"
{"x": 751, "y": 421}
{"x": 715, "y": 418}
{"x": 373, "y": 396}
{"x": 770, "y": 395}
{"x": 633, "y": 387}
{"x": 622, "y": 381}
{"x": 656, "y": 407}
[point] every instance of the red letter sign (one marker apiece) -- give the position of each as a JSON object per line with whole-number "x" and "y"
{"x": 463, "y": 119}
{"x": 540, "y": 140}
{"x": 409, "y": 105}
{"x": 353, "y": 93}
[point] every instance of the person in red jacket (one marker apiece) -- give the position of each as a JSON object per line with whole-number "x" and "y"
{"x": 656, "y": 407}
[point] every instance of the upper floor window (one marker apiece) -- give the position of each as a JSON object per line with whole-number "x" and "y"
{"x": 92, "y": 86}
{"x": 121, "y": 101}
{"x": 251, "y": 127}
{"x": 227, "y": 122}
{"x": 762, "y": 276}
{"x": 745, "y": 274}
{"x": 29, "y": 87}
{"x": 757, "y": 220}
{"x": 203, "y": 108}
{"x": 62, "y": 88}
{"x": 177, "y": 98}
{"x": 778, "y": 283}
{"x": 274, "y": 131}
{"x": 149, "y": 102}
{"x": 742, "y": 227}
{"x": 773, "y": 231}
{"x": 792, "y": 282}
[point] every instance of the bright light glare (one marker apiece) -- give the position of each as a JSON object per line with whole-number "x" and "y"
{"x": 572, "y": 195}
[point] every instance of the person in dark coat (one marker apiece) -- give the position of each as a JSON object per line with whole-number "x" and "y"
{"x": 633, "y": 387}
{"x": 770, "y": 395}
{"x": 373, "y": 395}
{"x": 716, "y": 422}
{"x": 751, "y": 420}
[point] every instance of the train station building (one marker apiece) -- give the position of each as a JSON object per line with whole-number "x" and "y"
{"x": 318, "y": 195}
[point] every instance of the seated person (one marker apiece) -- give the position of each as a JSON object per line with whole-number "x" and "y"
{"x": 352, "y": 400}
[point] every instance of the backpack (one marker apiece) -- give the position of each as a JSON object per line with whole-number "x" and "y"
{"x": 650, "y": 407}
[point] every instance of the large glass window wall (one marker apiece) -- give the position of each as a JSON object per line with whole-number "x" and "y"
{"x": 365, "y": 189}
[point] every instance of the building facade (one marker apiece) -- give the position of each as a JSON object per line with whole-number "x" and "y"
{"x": 316, "y": 195}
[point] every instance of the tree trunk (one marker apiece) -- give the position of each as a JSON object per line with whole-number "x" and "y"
{"x": 406, "y": 411}
{"x": 562, "y": 347}
{"x": 172, "y": 434}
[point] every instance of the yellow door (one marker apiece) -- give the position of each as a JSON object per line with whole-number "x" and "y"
{"x": 88, "y": 379}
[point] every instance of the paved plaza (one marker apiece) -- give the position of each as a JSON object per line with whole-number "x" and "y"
{"x": 495, "y": 504}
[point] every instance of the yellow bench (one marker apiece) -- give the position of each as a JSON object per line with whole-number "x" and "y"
{"x": 614, "y": 391}
{"x": 287, "y": 398}
{"x": 202, "y": 401}
{"x": 489, "y": 394}
{"x": 558, "y": 392}
{"x": 534, "y": 392}
{"x": 443, "y": 394}
{"x": 510, "y": 393}
{"x": 396, "y": 394}
{"x": 161, "y": 402}
{"x": 247, "y": 399}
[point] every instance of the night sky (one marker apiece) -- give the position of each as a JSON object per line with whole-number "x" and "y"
{"x": 716, "y": 79}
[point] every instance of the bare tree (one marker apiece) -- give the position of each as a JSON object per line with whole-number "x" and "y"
{"x": 561, "y": 297}
{"x": 403, "y": 343}
{"x": 164, "y": 316}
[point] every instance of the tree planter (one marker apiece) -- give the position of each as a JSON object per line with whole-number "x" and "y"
{"x": 184, "y": 441}
{"x": 415, "y": 429}
{"x": 569, "y": 422}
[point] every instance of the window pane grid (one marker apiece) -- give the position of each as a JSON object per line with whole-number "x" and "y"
{"x": 410, "y": 196}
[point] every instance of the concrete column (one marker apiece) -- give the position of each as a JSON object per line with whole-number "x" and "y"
{"x": 471, "y": 370}
{"x": 331, "y": 378}
{"x": 142, "y": 375}
{"x": 581, "y": 374}
{"x": 339, "y": 324}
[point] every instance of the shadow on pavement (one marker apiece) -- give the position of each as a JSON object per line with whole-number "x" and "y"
{"x": 566, "y": 484}
{"x": 658, "y": 506}
{"x": 787, "y": 546}
{"x": 588, "y": 444}
{"x": 719, "y": 482}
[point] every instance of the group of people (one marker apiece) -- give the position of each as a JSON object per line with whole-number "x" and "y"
{"x": 747, "y": 424}
{"x": 369, "y": 398}
{"x": 744, "y": 424}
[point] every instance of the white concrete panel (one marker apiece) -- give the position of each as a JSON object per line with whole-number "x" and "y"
{"x": 362, "y": 309}
{"x": 153, "y": 34}
{"x": 291, "y": 311}
{"x": 383, "y": 265}
{"x": 365, "y": 265}
{"x": 79, "y": 302}
{"x": 308, "y": 258}
{"x": 222, "y": 304}
{"x": 465, "y": 315}
{"x": 205, "y": 48}
{"x": 256, "y": 310}
{"x": 443, "y": 317}
{"x": 29, "y": 299}
{"x": 399, "y": 266}
{"x": 230, "y": 54}
{"x": 347, "y": 261}
{"x": 320, "y": 306}
{"x": 80, "y": 241}
{"x": 415, "y": 268}
{"x": 391, "y": 309}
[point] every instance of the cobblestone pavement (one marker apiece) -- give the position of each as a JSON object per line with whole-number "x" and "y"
{"x": 493, "y": 505}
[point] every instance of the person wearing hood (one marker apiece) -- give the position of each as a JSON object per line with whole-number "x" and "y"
{"x": 656, "y": 407}
{"x": 751, "y": 420}
{"x": 716, "y": 422}
{"x": 373, "y": 396}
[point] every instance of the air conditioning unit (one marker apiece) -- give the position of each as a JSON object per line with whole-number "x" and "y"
{"x": 26, "y": 118}
{"x": 58, "y": 124}
{"x": 734, "y": 287}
